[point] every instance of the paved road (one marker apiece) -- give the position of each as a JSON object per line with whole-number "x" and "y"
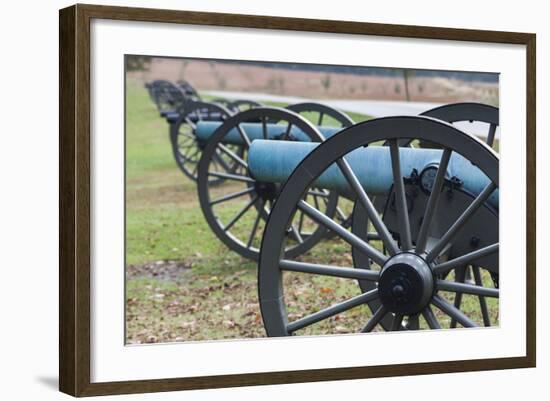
{"x": 375, "y": 108}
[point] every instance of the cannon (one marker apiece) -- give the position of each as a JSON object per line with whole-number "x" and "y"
{"x": 452, "y": 113}
{"x": 182, "y": 121}
{"x": 182, "y": 110}
{"x": 166, "y": 95}
{"x": 171, "y": 97}
{"x": 189, "y": 91}
{"x": 181, "y": 106}
{"x": 223, "y": 206}
{"x": 440, "y": 217}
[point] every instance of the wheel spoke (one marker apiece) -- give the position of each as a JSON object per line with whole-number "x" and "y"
{"x": 320, "y": 120}
{"x": 465, "y": 259}
{"x": 482, "y": 302}
{"x": 464, "y": 288}
{"x": 187, "y": 145}
{"x": 183, "y": 152}
{"x": 453, "y": 312}
{"x": 195, "y": 168}
{"x": 217, "y": 158}
{"x": 400, "y": 197}
{"x": 243, "y": 135}
{"x": 341, "y": 214}
{"x": 375, "y": 319}
{"x": 316, "y": 202}
{"x": 264, "y": 128}
{"x": 190, "y": 122}
{"x": 491, "y": 135}
{"x": 433, "y": 201}
{"x": 332, "y": 310}
{"x": 326, "y": 270}
{"x": 241, "y": 213}
{"x": 255, "y": 226}
{"x": 187, "y": 135}
{"x": 301, "y": 221}
{"x": 460, "y": 277}
{"x": 232, "y": 155}
{"x": 296, "y": 234}
{"x": 352, "y": 239}
{"x": 318, "y": 193}
{"x": 184, "y": 142}
{"x": 232, "y": 196}
{"x": 375, "y": 218}
{"x": 188, "y": 151}
{"x": 184, "y": 136}
{"x": 286, "y": 135}
{"x": 234, "y": 177}
{"x": 216, "y": 164}
{"x": 191, "y": 155}
{"x": 185, "y": 149}
{"x": 430, "y": 318}
{"x": 460, "y": 222}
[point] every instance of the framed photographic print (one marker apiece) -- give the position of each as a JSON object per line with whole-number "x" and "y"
{"x": 250, "y": 200}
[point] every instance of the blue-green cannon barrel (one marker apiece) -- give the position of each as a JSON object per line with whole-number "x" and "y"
{"x": 205, "y": 129}
{"x": 274, "y": 161}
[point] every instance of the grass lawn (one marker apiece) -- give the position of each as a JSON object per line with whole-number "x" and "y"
{"x": 182, "y": 283}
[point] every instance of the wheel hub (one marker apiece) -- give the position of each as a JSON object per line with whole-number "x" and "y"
{"x": 406, "y": 284}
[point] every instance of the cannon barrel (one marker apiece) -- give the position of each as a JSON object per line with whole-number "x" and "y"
{"x": 274, "y": 161}
{"x": 254, "y": 130}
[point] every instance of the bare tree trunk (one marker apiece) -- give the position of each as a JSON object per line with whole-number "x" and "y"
{"x": 406, "y": 78}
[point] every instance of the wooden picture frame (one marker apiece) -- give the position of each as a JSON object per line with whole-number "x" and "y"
{"x": 75, "y": 209}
